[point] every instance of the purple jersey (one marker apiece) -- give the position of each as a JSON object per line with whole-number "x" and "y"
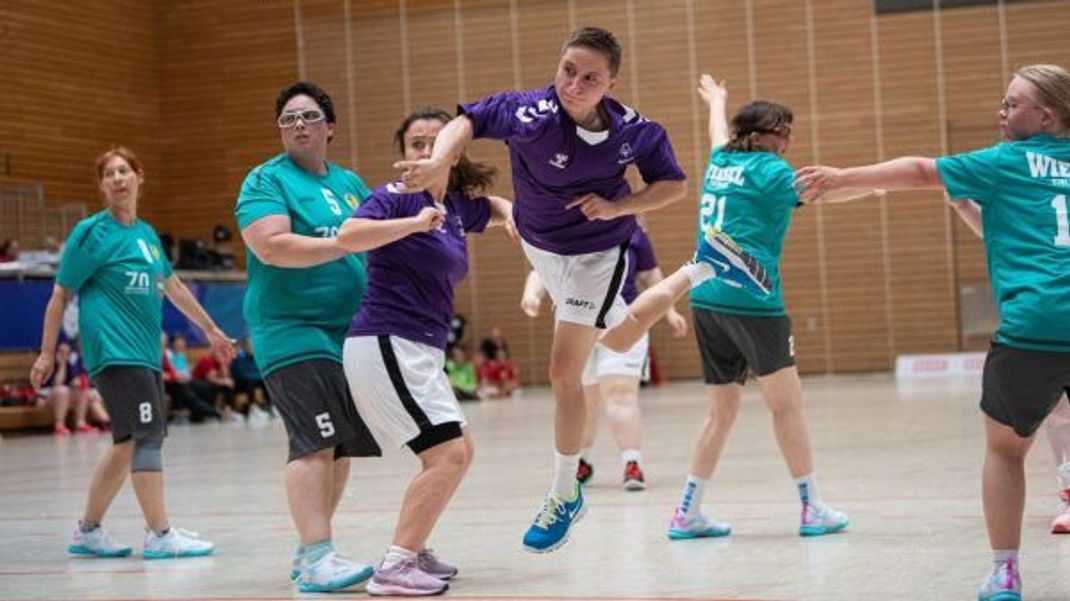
{"x": 411, "y": 280}
{"x": 554, "y": 162}
{"x": 640, "y": 258}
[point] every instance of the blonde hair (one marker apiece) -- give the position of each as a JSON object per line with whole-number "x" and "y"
{"x": 1052, "y": 84}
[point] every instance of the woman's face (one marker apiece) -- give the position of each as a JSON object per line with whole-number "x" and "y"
{"x": 419, "y": 138}
{"x": 119, "y": 183}
{"x": 301, "y": 138}
{"x": 582, "y": 80}
{"x": 1020, "y": 116}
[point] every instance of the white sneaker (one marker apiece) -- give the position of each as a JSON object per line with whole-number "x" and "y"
{"x": 176, "y": 543}
{"x": 1003, "y": 584}
{"x": 96, "y": 542}
{"x": 821, "y": 519}
{"x": 331, "y": 573}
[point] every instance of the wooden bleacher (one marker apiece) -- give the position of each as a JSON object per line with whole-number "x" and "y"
{"x": 16, "y": 367}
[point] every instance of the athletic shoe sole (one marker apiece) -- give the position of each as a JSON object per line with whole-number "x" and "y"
{"x": 749, "y": 265}
{"x": 822, "y": 530}
{"x": 337, "y": 585}
{"x": 392, "y": 590}
{"x": 690, "y": 534}
{"x": 82, "y": 550}
{"x": 173, "y": 555}
{"x": 634, "y": 485}
{"x": 1005, "y": 596}
{"x": 564, "y": 539}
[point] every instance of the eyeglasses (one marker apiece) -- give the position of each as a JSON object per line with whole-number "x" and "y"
{"x": 308, "y": 116}
{"x": 1006, "y": 105}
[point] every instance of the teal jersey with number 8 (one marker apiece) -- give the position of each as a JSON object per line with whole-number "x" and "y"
{"x": 118, "y": 272}
{"x": 1023, "y": 189}
{"x": 750, "y": 196}
{"x": 297, "y": 314}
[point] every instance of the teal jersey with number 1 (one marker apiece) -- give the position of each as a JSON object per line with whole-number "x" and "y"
{"x": 1023, "y": 189}
{"x": 118, "y": 271}
{"x": 297, "y": 314}
{"x": 750, "y": 196}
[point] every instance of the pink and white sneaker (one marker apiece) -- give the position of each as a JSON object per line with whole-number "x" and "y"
{"x": 405, "y": 579}
{"x": 427, "y": 561}
{"x": 1061, "y": 523}
{"x": 1003, "y": 584}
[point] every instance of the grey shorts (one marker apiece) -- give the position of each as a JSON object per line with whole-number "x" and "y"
{"x": 731, "y": 345}
{"x": 1020, "y": 388}
{"x": 133, "y": 397}
{"x": 318, "y": 412}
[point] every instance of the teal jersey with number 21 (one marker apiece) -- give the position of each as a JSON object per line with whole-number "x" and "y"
{"x": 1023, "y": 189}
{"x": 297, "y": 314}
{"x": 750, "y": 196}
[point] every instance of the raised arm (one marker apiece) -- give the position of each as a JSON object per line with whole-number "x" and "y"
{"x": 716, "y": 96}
{"x": 273, "y": 242}
{"x": 897, "y": 174}
{"x": 359, "y": 234}
{"x": 449, "y": 144}
{"x": 179, "y": 294}
{"x": 46, "y": 360}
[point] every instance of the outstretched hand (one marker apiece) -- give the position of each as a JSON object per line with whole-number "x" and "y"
{"x": 814, "y": 181}
{"x": 422, "y": 174}
{"x": 712, "y": 90}
{"x": 222, "y": 344}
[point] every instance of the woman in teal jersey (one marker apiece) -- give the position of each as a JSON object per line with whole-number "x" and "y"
{"x": 302, "y": 291}
{"x": 112, "y": 260}
{"x": 1022, "y": 186}
{"x": 748, "y": 193}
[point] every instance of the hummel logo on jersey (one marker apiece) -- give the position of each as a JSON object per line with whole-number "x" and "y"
{"x": 578, "y": 302}
{"x": 527, "y": 114}
{"x": 560, "y": 160}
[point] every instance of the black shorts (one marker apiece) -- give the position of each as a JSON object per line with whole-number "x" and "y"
{"x": 313, "y": 398}
{"x": 133, "y": 397}
{"x": 731, "y": 345}
{"x": 1020, "y": 388}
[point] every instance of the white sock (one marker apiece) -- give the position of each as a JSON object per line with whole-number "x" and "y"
{"x": 691, "y": 500}
{"x": 396, "y": 554}
{"x": 698, "y": 272}
{"x": 1064, "y": 475}
{"x": 628, "y": 455}
{"x": 565, "y": 475}
{"x": 807, "y": 486}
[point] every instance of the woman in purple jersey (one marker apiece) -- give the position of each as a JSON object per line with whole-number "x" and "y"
{"x": 395, "y": 351}
{"x": 570, "y": 145}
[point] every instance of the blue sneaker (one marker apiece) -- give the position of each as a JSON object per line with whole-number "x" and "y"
{"x": 1003, "y": 584}
{"x": 553, "y": 522}
{"x": 732, "y": 264}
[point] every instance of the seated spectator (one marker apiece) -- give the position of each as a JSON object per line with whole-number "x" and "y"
{"x": 498, "y": 377}
{"x": 247, "y": 380}
{"x": 179, "y": 359}
{"x": 9, "y": 250}
{"x": 212, "y": 380}
{"x": 179, "y": 389}
{"x": 492, "y": 343}
{"x": 462, "y": 375}
{"x": 67, "y": 391}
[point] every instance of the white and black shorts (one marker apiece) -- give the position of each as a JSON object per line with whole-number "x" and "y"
{"x": 402, "y": 391}
{"x": 585, "y": 288}
{"x": 604, "y": 362}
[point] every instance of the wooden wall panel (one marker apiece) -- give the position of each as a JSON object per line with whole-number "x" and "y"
{"x": 78, "y": 78}
{"x": 191, "y": 85}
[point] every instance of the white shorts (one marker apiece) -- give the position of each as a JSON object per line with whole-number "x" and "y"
{"x": 585, "y": 288}
{"x": 604, "y": 362}
{"x": 401, "y": 391}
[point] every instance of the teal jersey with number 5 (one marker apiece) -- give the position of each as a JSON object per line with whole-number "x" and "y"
{"x": 296, "y": 314}
{"x": 1023, "y": 188}
{"x": 750, "y": 196}
{"x": 118, "y": 272}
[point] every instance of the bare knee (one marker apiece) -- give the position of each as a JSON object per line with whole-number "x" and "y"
{"x": 451, "y": 457}
{"x": 725, "y": 401}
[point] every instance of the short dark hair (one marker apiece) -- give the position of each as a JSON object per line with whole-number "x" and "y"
{"x": 322, "y": 98}
{"x": 599, "y": 40}
{"x": 754, "y": 118}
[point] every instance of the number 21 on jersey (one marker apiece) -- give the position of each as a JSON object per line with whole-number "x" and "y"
{"x": 712, "y": 208}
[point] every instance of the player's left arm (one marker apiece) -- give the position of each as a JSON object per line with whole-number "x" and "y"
{"x": 179, "y": 294}
{"x": 501, "y": 214}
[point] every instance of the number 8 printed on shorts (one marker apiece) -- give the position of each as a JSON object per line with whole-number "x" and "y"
{"x": 145, "y": 410}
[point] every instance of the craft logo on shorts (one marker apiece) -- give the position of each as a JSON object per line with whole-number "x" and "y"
{"x": 352, "y": 201}
{"x": 560, "y": 160}
{"x": 579, "y": 303}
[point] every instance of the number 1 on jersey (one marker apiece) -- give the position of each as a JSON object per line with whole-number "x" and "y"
{"x": 1062, "y": 222}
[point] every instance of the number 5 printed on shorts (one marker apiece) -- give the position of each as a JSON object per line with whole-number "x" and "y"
{"x": 323, "y": 422}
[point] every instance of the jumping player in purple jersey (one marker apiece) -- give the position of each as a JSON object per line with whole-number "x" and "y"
{"x": 569, "y": 146}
